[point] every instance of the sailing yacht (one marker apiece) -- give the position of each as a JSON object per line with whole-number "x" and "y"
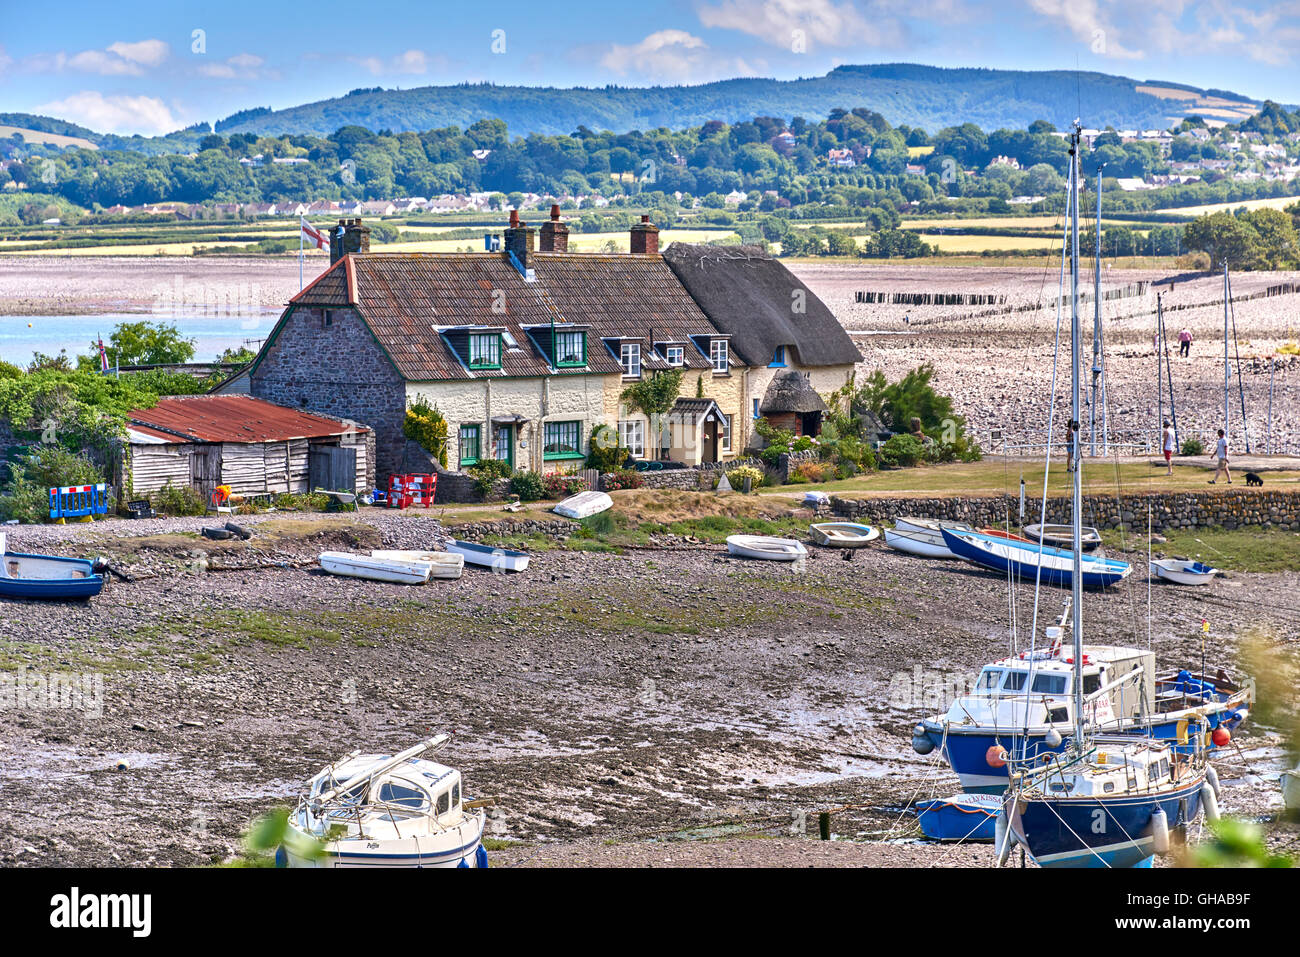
{"x": 1102, "y": 801}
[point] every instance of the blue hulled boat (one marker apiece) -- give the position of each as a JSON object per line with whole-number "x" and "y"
{"x": 47, "y": 577}
{"x": 1032, "y": 561}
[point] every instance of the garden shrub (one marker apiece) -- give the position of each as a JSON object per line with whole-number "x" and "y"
{"x": 737, "y": 477}
{"x": 528, "y": 486}
{"x": 901, "y": 451}
{"x": 558, "y": 485}
{"x": 486, "y": 474}
{"x": 814, "y": 471}
{"x": 621, "y": 479}
{"x": 604, "y": 454}
{"x": 1193, "y": 446}
{"x": 427, "y": 426}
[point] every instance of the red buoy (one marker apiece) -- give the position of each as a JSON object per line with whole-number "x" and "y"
{"x": 996, "y": 756}
{"x": 1221, "y": 737}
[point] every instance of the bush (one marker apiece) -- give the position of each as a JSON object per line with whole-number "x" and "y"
{"x": 621, "y": 479}
{"x": 182, "y": 500}
{"x": 901, "y": 451}
{"x": 528, "y": 486}
{"x": 604, "y": 454}
{"x": 427, "y": 426}
{"x": 486, "y": 474}
{"x": 962, "y": 449}
{"x": 31, "y": 477}
{"x": 1193, "y": 446}
{"x": 814, "y": 471}
{"x": 558, "y": 485}
{"x": 737, "y": 477}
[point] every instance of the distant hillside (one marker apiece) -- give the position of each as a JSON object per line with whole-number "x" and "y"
{"x": 905, "y": 94}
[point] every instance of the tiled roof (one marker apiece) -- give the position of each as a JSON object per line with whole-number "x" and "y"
{"x": 232, "y": 418}
{"x": 410, "y": 299}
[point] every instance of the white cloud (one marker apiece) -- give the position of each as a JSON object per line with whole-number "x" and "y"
{"x": 673, "y": 56}
{"x": 244, "y": 66}
{"x": 145, "y": 52}
{"x": 410, "y": 63}
{"x": 118, "y": 59}
{"x": 113, "y": 114}
{"x": 1090, "y": 24}
{"x": 877, "y": 23}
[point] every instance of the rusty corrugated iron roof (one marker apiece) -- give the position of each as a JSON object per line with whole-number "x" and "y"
{"x": 409, "y": 300}
{"x": 232, "y": 418}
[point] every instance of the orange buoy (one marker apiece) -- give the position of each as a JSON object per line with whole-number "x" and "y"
{"x": 1221, "y": 737}
{"x": 996, "y": 756}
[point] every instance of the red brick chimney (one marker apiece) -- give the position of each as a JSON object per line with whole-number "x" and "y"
{"x": 645, "y": 237}
{"x": 554, "y": 234}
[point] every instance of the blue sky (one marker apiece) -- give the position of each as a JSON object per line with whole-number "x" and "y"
{"x": 151, "y": 67}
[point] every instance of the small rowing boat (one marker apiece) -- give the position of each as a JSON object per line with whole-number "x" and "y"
{"x": 842, "y": 534}
{"x": 923, "y": 537}
{"x": 1009, "y": 536}
{"x": 1183, "y": 571}
{"x": 446, "y": 565}
{"x": 584, "y": 505}
{"x": 401, "y": 572}
{"x": 490, "y": 556}
{"x": 1062, "y": 536}
{"x": 761, "y": 546}
{"x": 962, "y": 817}
{"x": 47, "y": 577}
{"x": 372, "y": 810}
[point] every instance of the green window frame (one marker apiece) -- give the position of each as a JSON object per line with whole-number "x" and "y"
{"x": 570, "y": 349}
{"x": 485, "y": 350}
{"x": 470, "y": 444}
{"x": 562, "y": 440}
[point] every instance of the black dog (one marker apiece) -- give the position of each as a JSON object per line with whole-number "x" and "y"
{"x": 1253, "y": 479}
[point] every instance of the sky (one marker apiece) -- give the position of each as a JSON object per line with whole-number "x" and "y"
{"x": 153, "y": 67}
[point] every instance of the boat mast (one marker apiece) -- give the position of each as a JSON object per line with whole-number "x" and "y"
{"x": 1096, "y": 327}
{"x": 1226, "y": 407}
{"x": 1076, "y": 387}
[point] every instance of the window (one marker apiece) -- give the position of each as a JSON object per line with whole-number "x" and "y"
{"x": 631, "y": 435}
{"x": 485, "y": 351}
{"x": 675, "y": 355}
{"x": 718, "y": 355}
{"x": 570, "y": 348}
{"x": 1049, "y": 684}
{"x": 1015, "y": 681}
{"x": 989, "y": 680}
{"x": 326, "y": 318}
{"x": 469, "y": 444}
{"x": 404, "y": 796}
{"x": 778, "y": 359}
{"x": 726, "y": 433}
{"x": 563, "y": 441}
{"x": 444, "y": 803}
{"x": 455, "y": 794}
{"x": 756, "y": 415}
{"x": 629, "y": 358}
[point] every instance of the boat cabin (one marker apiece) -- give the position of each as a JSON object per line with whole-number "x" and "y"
{"x": 416, "y": 790}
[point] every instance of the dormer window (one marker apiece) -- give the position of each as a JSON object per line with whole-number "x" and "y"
{"x": 719, "y": 357}
{"x": 629, "y": 357}
{"x": 570, "y": 349}
{"x": 675, "y": 355}
{"x": 485, "y": 350}
{"x": 778, "y": 358}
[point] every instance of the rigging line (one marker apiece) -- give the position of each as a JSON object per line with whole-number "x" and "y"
{"x": 1236, "y": 347}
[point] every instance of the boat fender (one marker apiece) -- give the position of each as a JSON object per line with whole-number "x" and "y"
{"x": 1052, "y": 739}
{"x": 921, "y": 742}
{"x": 1221, "y": 737}
{"x": 1209, "y": 802}
{"x": 1003, "y": 839}
{"x": 480, "y": 856}
{"x": 1212, "y": 779}
{"x": 281, "y": 858}
{"x": 1160, "y": 831}
{"x": 996, "y": 756}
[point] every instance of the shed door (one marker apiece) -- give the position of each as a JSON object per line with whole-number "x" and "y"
{"x": 205, "y": 469}
{"x": 331, "y": 467}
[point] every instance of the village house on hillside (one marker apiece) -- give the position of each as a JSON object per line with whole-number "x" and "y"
{"x": 526, "y": 350}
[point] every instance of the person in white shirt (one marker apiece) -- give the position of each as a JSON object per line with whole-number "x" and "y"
{"x": 1221, "y": 453}
{"x": 1167, "y": 445}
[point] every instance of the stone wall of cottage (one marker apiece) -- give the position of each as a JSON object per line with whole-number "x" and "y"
{"x": 1220, "y": 508}
{"x": 336, "y": 369}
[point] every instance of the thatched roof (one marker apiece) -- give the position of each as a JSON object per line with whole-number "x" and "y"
{"x": 750, "y": 295}
{"x": 791, "y": 392}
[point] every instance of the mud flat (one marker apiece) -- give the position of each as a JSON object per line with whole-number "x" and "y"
{"x": 651, "y": 707}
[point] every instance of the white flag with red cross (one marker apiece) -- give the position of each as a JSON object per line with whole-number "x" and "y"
{"x": 314, "y": 236}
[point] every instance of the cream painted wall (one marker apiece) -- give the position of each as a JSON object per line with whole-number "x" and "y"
{"x": 567, "y": 398}
{"x": 727, "y": 391}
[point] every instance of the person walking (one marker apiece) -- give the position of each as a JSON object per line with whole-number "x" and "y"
{"x": 1221, "y": 453}
{"x": 1167, "y": 446}
{"x": 1185, "y": 343}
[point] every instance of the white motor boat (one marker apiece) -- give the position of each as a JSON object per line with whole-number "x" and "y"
{"x": 448, "y": 565}
{"x": 399, "y": 571}
{"x": 372, "y": 810}
{"x": 918, "y": 536}
{"x": 762, "y": 546}
{"x": 584, "y": 505}
{"x": 1183, "y": 571}
{"x": 843, "y": 534}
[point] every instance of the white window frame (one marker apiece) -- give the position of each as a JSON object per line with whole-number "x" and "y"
{"x": 675, "y": 355}
{"x": 725, "y": 438}
{"x": 629, "y": 357}
{"x": 631, "y": 435}
{"x": 719, "y": 355}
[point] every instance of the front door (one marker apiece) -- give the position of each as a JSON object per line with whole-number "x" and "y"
{"x": 503, "y": 444}
{"x": 710, "y": 443}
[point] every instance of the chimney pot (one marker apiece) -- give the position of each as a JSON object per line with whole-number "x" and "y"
{"x": 355, "y": 238}
{"x": 555, "y": 212}
{"x": 514, "y": 218}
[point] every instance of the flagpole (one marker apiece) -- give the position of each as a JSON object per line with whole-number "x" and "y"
{"x": 300, "y": 253}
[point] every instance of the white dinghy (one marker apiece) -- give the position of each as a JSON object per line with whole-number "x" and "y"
{"x": 1183, "y": 571}
{"x": 922, "y": 536}
{"x": 761, "y": 546}
{"x": 445, "y": 565}
{"x": 584, "y": 505}
{"x": 372, "y": 810}
{"x": 842, "y": 534}
{"x": 490, "y": 556}
{"x": 398, "y": 571}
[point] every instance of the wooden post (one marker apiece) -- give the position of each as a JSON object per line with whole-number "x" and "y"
{"x": 824, "y": 825}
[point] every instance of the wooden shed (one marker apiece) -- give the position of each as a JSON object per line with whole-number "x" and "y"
{"x": 251, "y": 445}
